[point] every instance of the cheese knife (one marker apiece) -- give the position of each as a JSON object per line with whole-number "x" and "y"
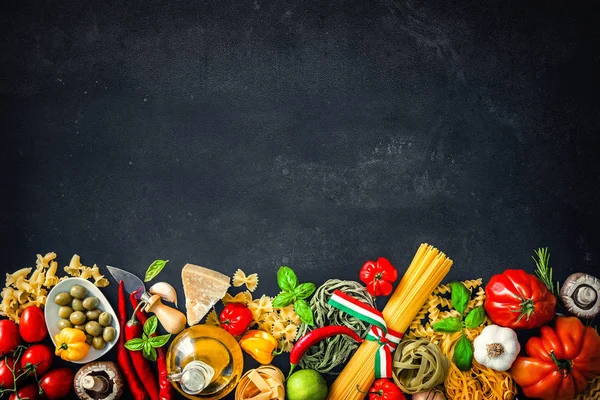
{"x": 171, "y": 319}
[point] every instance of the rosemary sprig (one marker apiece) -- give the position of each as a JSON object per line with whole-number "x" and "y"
{"x": 544, "y": 272}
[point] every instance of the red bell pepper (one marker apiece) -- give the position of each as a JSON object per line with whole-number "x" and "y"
{"x": 384, "y": 389}
{"x": 235, "y": 318}
{"x": 560, "y": 362}
{"x": 378, "y": 276}
{"x": 516, "y": 299}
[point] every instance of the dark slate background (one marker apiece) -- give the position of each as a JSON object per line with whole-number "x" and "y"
{"x": 314, "y": 134}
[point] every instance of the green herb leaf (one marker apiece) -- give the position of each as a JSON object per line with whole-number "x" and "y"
{"x": 304, "y": 312}
{"x": 448, "y": 325}
{"x": 283, "y": 299}
{"x": 475, "y": 317}
{"x": 136, "y": 344}
{"x": 286, "y": 279}
{"x": 154, "y": 269}
{"x": 305, "y": 290}
{"x": 463, "y": 353}
{"x": 151, "y": 325}
{"x": 460, "y": 296}
{"x": 159, "y": 341}
{"x": 149, "y": 352}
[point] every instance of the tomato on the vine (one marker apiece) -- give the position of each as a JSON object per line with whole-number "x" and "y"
{"x": 57, "y": 383}
{"x": 9, "y": 336}
{"x": 32, "y": 326}
{"x": 38, "y": 357}
{"x": 30, "y": 391}
{"x": 7, "y": 380}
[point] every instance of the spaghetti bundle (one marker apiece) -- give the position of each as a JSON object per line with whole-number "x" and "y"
{"x": 426, "y": 271}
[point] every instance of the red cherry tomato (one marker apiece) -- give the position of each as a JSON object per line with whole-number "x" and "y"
{"x": 33, "y": 325}
{"x": 30, "y": 391}
{"x": 6, "y": 377}
{"x": 57, "y": 383}
{"x": 38, "y": 357}
{"x": 9, "y": 336}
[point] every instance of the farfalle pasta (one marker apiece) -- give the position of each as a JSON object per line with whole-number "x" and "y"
{"x": 240, "y": 278}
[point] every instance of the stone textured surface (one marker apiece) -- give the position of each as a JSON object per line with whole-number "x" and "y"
{"x": 307, "y": 133}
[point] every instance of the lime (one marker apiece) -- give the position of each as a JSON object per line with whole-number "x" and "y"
{"x": 306, "y": 384}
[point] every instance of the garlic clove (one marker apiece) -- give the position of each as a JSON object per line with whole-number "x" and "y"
{"x": 165, "y": 291}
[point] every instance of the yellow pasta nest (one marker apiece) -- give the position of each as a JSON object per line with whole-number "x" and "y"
{"x": 480, "y": 383}
{"x": 592, "y": 392}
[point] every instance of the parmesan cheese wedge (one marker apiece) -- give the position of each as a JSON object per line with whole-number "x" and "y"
{"x": 203, "y": 287}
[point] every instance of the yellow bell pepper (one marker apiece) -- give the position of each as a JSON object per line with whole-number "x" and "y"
{"x": 71, "y": 345}
{"x": 260, "y": 345}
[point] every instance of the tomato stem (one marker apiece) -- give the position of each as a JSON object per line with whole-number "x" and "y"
{"x": 563, "y": 365}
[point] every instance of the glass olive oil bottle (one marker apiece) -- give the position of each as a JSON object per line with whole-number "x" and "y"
{"x": 204, "y": 362}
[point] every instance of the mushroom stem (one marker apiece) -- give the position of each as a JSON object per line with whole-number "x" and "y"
{"x": 96, "y": 384}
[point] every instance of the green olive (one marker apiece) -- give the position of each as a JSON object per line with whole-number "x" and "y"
{"x": 78, "y": 292}
{"x": 64, "y": 323}
{"x": 89, "y": 339}
{"x": 77, "y": 318}
{"x": 109, "y": 334}
{"x": 92, "y": 315}
{"x": 77, "y": 305}
{"x": 62, "y": 299}
{"x": 90, "y": 303}
{"x": 98, "y": 343}
{"x": 105, "y": 319}
{"x": 93, "y": 328}
{"x": 64, "y": 312}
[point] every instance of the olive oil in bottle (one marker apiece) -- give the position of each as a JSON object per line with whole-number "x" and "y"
{"x": 204, "y": 362}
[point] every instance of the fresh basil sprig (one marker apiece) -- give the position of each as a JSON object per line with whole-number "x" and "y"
{"x": 463, "y": 351}
{"x": 294, "y": 293}
{"x": 154, "y": 269}
{"x": 147, "y": 343}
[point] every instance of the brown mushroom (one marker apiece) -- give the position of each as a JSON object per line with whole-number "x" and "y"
{"x": 101, "y": 380}
{"x": 581, "y": 295}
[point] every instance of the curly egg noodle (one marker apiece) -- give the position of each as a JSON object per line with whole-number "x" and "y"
{"x": 479, "y": 383}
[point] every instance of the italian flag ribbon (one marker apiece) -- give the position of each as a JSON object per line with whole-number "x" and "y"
{"x": 387, "y": 339}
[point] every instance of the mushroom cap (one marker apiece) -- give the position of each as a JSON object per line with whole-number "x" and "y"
{"x": 581, "y": 295}
{"x": 114, "y": 376}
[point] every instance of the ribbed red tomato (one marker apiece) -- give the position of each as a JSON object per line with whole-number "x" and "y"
{"x": 38, "y": 357}
{"x": 57, "y": 383}
{"x": 9, "y": 336}
{"x": 32, "y": 326}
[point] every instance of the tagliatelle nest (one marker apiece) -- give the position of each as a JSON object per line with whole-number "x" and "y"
{"x": 22, "y": 290}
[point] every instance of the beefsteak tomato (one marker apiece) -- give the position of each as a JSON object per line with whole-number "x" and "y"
{"x": 38, "y": 357}
{"x": 516, "y": 299}
{"x": 9, "y": 336}
{"x": 560, "y": 362}
{"x": 32, "y": 326}
{"x": 57, "y": 383}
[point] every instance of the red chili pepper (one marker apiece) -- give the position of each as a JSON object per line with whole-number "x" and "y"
{"x": 137, "y": 389}
{"x": 378, "y": 276}
{"x": 235, "y": 318}
{"x": 134, "y": 330}
{"x": 384, "y": 389}
{"x": 313, "y": 337}
{"x": 166, "y": 389}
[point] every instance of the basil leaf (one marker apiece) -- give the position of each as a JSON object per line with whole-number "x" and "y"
{"x": 463, "y": 353}
{"x": 149, "y": 352}
{"x": 448, "y": 325}
{"x": 286, "y": 279}
{"x": 159, "y": 341}
{"x": 134, "y": 344}
{"x": 154, "y": 269}
{"x": 283, "y": 299}
{"x": 304, "y": 312}
{"x": 460, "y": 296}
{"x": 151, "y": 325}
{"x": 304, "y": 290}
{"x": 475, "y": 317}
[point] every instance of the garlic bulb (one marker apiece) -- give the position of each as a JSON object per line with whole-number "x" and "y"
{"x": 431, "y": 395}
{"x": 496, "y": 347}
{"x": 165, "y": 291}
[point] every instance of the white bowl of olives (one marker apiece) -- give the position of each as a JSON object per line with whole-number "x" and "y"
{"x": 77, "y": 303}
